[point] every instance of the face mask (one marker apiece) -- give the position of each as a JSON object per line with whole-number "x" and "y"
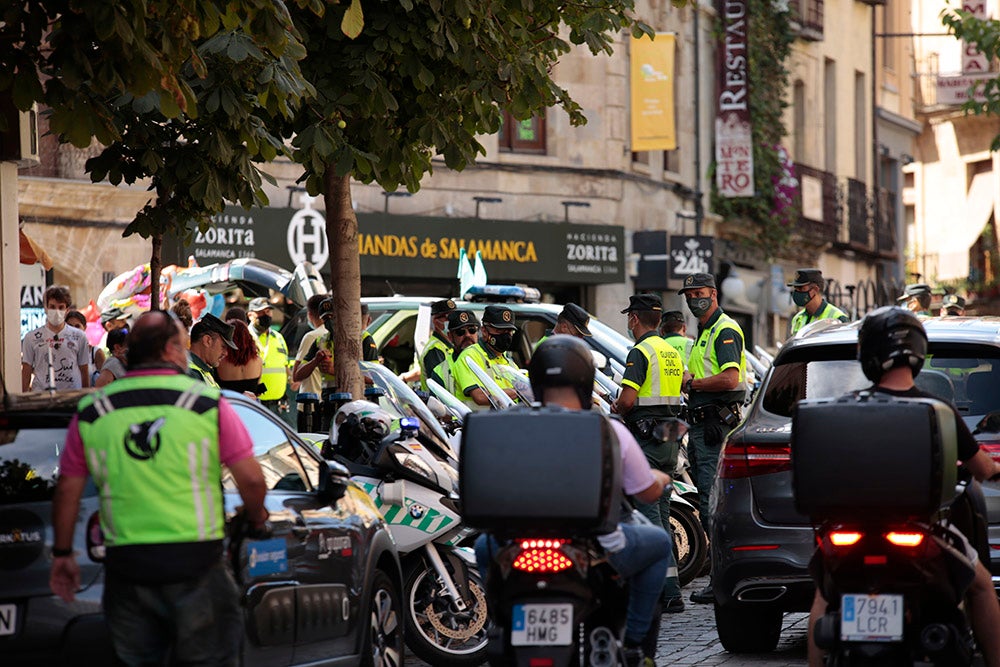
{"x": 55, "y": 317}
{"x": 699, "y": 307}
{"x": 501, "y": 342}
{"x": 801, "y": 298}
{"x": 263, "y": 322}
{"x": 631, "y": 334}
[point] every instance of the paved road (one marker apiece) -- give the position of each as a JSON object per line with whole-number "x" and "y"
{"x": 689, "y": 638}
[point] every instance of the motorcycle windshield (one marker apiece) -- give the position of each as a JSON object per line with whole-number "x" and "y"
{"x": 517, "y": 379}
{"x": 450, "y": 401}
{"x": 499, "y": 400}
{"x": 400, "y": 400}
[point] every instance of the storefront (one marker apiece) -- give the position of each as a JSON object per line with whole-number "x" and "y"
{"x": 419, "y": 255}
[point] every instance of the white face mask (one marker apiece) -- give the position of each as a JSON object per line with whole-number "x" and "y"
{"x": 55, "y": 317}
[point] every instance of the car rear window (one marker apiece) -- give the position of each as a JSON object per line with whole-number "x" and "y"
{"x": 29, "y": 464}
{"x": 968, "y": 377}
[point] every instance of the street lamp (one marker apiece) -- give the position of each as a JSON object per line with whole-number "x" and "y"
{"x": 567, "y": 204}
{"x": 485, "y": 200}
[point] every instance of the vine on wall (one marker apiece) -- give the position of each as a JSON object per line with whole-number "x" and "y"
{"x": 770, "y": 210}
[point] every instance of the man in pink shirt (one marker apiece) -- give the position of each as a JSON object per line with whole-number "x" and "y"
{"x": 155, "y": 442}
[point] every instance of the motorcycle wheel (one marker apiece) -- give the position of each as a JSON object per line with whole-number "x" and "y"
{"x": 438, "y": 633}
{"x": 383, "y": 644}
{"x": 690, "y": 542}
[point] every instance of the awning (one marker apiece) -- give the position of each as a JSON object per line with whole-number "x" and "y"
{"x": 32, "y": 253}
{"x": 962, "y": 233}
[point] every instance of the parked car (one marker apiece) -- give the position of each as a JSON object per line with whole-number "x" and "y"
{"x": 323, "y": 589}
{"x": 761, "y": 545}
{"x": 394, "y": 321}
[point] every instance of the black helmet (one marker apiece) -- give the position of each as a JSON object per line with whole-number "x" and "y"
{"x": 891, "y": 336}
{"x": 563, "y": 361}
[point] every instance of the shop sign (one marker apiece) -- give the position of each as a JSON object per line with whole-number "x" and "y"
{"x": 421, "y": 247}
{"x": 32, "y": 293}
{"x": 690, "y": 255}
{"x": 733, "y": 140}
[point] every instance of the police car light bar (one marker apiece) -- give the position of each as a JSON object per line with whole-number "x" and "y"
{"x": 503, "y": 293}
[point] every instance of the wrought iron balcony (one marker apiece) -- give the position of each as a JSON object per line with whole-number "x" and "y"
{"x": 817, "y": 202}
{"x": 857, "y": 215}
{"x": 807, "y": 17}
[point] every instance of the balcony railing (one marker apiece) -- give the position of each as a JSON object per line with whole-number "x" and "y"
{"x": 807, "y": 16}
{"x": 844, "y": 214}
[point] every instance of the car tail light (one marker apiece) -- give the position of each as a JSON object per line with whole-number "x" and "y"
{"x": 992, "y": 448}
{"x": 905, "y": 539}
{"x": 541, "y": 662}
{"x": 844, "y": 538}
{"x": 542, "y": 556}
{"x": 743, "y": 460}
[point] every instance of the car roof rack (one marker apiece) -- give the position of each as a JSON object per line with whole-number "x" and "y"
{"x": 502, "y": 294}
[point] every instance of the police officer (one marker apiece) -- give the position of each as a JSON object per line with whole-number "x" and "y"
{"x": 438, "y": 349}
{"x": 673, "y": 329}
{"x": 807, "y": 293}
{"x": 716, "y": 387}
{"x": 496, "y": 337}
{"x": 274, "y": 352}
{"x": 168, "y": 593}
{"x": 916, "y": 298}
{"x": 651, "y": 393}
{"x": 952, "y": 306}
{"x": 571, "y": 321}
{"x": 210, "y": 337}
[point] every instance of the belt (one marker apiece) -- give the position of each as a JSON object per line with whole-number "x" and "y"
{"x": 704, "y": 413}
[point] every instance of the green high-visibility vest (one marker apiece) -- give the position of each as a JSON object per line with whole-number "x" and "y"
{"x": 435, "y": 343}
{"x": 703, "y": 362}
{"x": 152, "y": 446}
{"x": 664, "y": 372}
{"x": 274, "y": 375}
{"x": 200, "y": 370}
{"x": 464, "y": 378}
{"x": 682, "y": 344}
{"x": 827, "y": 311}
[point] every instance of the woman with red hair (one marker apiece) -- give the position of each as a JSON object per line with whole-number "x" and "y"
{"x": 240, "y": 369}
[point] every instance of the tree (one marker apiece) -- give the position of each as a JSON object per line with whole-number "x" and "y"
{"x": 985, "y": 35}
{"x": 423, "y": 77}
{"x": 180, "y": 92}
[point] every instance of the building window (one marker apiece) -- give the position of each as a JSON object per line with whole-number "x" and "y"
{"x": 888, "y": 43}
{"x": 672, "y": 161}
{"x": 860, "y": 127}
{"x": 830, "y": 115}
{"x": 522, "y": 136}
{"x": 799, "y": 123}
{"x": 640, "y": 157}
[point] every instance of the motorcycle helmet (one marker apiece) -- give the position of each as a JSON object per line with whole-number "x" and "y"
{"x": 358, "y": 429}
{"x": 563, "y": 361}
{"x": 891, "y": 336}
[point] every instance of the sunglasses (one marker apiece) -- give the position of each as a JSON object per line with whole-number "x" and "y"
{"x": 466, "y": 331}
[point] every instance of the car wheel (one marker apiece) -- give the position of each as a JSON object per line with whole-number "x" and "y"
{"x": 436, "y": 631}
{"x": 748, "y": 629}
{"x": 690, "y": 542}
{"x": 383, "y": 645}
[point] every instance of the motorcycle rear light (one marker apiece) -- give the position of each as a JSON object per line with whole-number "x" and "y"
{"x": 542, "y": 556}
{"x": 541, "y": 662}
{"x": 743, "y": 460}
{"x": 756, "y": 547}
{"x": 901, "y": 539}
{"x": 876, "y": 560}
{"x": 844, "y": 538}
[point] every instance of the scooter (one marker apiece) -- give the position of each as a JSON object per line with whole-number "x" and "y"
{"x": 411, "y": 477}
{"x": 893, "y": 576}
{"x": 554, "y": 598}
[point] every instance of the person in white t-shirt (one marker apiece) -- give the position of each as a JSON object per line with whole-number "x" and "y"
{"x": 55, "y": 356}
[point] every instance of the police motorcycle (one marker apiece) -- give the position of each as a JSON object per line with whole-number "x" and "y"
{"x": 554, "y": 598}
{"x": 893, "y": 572}
{"x": 398, "y": 453}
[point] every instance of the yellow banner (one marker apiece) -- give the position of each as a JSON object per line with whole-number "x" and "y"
{"x": 652, "y": 79}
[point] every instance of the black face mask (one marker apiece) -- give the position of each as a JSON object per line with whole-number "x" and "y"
{"x": 501, "y": 342}
{"x": 699, "y": 306}
{"x": 263, "y": 322}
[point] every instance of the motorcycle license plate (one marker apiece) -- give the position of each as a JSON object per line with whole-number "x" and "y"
{"x": 871, "y": 618}
{"x": 8, "y": 619}
{"x": 541, "y": 625}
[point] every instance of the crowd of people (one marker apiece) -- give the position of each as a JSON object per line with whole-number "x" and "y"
{"x": 666, "y": 371}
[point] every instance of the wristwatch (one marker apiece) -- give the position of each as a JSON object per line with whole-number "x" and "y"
{"x": 61, "y": 553}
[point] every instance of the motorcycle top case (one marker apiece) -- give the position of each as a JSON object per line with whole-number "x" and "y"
{"x": 873, "y": 456}
{"x": 540, "y": 472}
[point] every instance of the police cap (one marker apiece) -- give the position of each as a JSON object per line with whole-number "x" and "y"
{"x": 807, "y": 277}
{"x": 696, "y": 280}
{"x": 442, "y": 307}
{"x": 639, "y": 302}
{"x": 499, "y": 317}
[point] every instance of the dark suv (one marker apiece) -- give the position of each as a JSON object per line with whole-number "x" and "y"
{"x": 761, "y": 545}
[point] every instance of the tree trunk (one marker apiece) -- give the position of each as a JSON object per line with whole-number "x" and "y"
{"x": 345, "y": 279}
{"x": 155, "y": 265}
